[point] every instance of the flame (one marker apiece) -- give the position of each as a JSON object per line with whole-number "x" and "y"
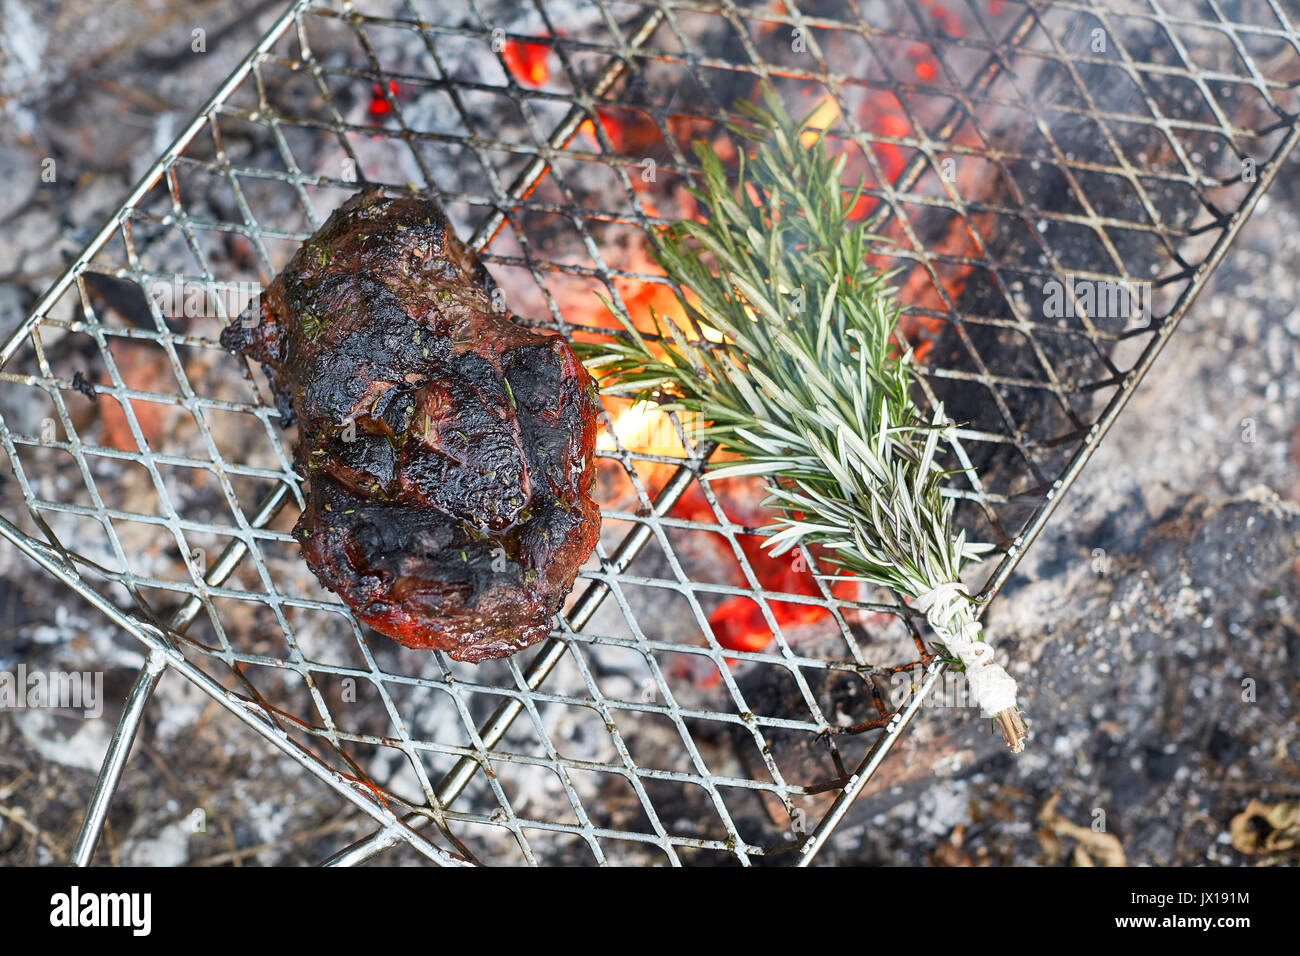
{"x": 880, "y": 112}
{"x": 643, "y": 427}
{"x": 822, "y": 118}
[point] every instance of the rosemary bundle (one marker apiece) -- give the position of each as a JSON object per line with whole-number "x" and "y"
{"x": 802, "y": 379}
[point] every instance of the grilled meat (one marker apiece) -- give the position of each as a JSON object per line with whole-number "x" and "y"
{"x": 448, "y": 450}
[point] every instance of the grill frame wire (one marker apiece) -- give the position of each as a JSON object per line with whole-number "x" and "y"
{"x": 162, "y": 649}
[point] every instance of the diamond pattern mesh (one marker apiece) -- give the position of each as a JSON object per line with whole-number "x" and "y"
{"x": 1004, "y": 147}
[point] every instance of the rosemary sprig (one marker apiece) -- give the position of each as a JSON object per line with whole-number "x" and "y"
{"x": 809, "y": 386}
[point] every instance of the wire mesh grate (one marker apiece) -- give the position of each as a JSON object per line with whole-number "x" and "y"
{"x": 1017, "y": 157}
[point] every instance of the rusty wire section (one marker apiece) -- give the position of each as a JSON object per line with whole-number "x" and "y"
{"x": 1005, "y": 146}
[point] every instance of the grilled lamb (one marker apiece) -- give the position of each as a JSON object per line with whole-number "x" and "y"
{"x": 448, "y": 450}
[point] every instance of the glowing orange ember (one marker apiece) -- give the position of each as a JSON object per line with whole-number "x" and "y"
{"x": 527, "y": 62}
{"x": 610, "y": 124}
{"x": 738, "y": 623}
{"x": 379, "y": 105}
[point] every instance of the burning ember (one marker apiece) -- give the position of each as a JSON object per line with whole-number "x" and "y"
{"x": 527, "y": 62}
{"x": 379, "y": 104}
{"x": 738, "y": 623}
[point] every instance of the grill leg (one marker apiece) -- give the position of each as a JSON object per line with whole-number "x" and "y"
{"x": 119, "y": 748}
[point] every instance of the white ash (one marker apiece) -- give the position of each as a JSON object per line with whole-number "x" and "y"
{"x": 169, "y": 846}
{"x": 81, "y": 745}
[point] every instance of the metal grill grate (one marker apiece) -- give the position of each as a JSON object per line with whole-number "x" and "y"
{"x": 1005, "y": 146}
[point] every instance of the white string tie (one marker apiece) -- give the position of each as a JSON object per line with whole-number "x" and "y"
{"x": 945, "y": 607}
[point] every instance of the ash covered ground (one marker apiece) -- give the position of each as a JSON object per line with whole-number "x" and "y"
{"x": 1167, "y": 578}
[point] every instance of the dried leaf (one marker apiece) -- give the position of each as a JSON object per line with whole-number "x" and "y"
{"x": 1266, "y": 828}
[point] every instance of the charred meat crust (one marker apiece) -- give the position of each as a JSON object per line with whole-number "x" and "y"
{"x": 448, "y": 450}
